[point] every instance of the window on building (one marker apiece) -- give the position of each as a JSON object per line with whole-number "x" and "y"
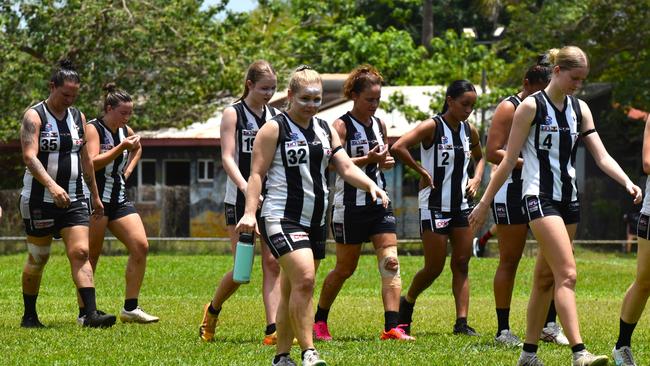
{"x": 205, "y": 170}
{"x": 147, "y": 180}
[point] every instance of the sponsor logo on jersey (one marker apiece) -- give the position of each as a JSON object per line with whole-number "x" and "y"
{"x": 249, "y": 132}
{"x": 547, "y": 120}
{"x": 48, "y": 127}
{"x": 296, "y": 143}
{"x": 358, "y": 136}
{"x": 358, "y": 142}
{"x": 548, "y": 128}
{"x": 444, "y": 139}
{"x": 105, "y": 147}
{"x": 294, "y": 136}
{"x": 501, "y": 211}
{"x": 250, "y": 125}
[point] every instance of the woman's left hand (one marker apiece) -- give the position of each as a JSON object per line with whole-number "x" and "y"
{"x": 477, "y": 216}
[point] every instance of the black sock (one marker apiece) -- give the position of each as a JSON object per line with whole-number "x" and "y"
{"x": 30, "y": 304}
{"x": 503, "y": 320}
{"x": 321, "y": 314}
{"x": 461, "y": 321}
{"x": 552, "y": 313}
{"x": 87, "y": 295}
{"x": 82, "y": 312}
{"x": 625, "y": 331}
{"x": 578, "y": 347}
{"x": 130, "y": 304}
{"x": 302, "y": 355}
{"x": 530, "y": 348}
{"x": 270, "y": 329}
{"x": 213, "y": 311}
{"x": 277, "y": 357}
{"x": 405, "y": 311}
{"x": 390, "y": 320}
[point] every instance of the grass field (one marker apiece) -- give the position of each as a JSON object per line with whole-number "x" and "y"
{"x": 176, "y": 287}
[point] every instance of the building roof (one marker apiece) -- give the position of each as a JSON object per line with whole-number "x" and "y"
{"x": 207, "y": 133}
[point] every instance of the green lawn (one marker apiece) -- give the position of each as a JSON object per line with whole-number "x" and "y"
{"x": 176, "y": 287}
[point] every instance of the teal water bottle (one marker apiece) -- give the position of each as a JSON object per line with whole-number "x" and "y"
{"x": 244, "y": 254}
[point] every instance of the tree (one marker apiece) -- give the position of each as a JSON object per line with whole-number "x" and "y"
{"x": 161, "y": 52}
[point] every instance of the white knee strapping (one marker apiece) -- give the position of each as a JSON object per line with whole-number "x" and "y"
{"x": 390, "y": 277}
{"x": 39, "y": 253}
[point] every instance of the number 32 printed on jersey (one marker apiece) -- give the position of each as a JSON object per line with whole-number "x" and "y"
{"x": 296, "y": 153}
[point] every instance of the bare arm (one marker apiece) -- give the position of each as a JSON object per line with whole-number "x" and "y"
{"x": 477, "y": 154}
{"x": 100, "y": 160}
{"x": 29, "y": 140}
{"x": 134, "y": 156}
{"x": 422, "y": 133}
{"x": 228, "y": 148}
{"x": 605, "y": 161}
{"x": 263, "y": 151}
{"x": 498, "y": 133}
{"x": 89, "y": 174}
{"x": 646, "y": 146}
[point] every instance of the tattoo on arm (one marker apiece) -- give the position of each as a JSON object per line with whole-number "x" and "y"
{"x": 28, "y": 132}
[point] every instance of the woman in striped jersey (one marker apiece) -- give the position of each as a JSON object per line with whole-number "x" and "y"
{"x": 293, "y": 150}
{"x": 447, "y": 144}
{"x": 239, "y": 126}
{"x": 510, "y": 221}
{"x": 54, "y": 199}
{"x": 115, "y": 151}
{"x": 355, "y": 218}
{"x": 546, "y": 128}
{"x": 637, "y": 295}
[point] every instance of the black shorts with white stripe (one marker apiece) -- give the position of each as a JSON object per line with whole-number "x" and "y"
{"x": 536, "y": 207}
{"x": 234, "y": 213}
{"x": 115, "y": 211}
{"x": 507, "y": 214}
{"x": 284, "y": 236}
{"x": 45, "y": 219}
{"x": 642, "y": 227}
{"x": 442, "y": 222}
{"x": 355, "y": 225}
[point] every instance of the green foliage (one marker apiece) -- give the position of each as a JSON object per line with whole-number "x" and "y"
{"x": 614, "y": 35}
{"x": 162, "y": 52}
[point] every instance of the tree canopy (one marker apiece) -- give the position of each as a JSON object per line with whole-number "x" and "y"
{"x": 177, "y": 58}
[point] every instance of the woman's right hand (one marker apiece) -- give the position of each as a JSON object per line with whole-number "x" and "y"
{"x": 428, "y": 180}
{"x": 131, "y": 142}
{"x": 247, "y": 224}
{"x": 59, "y": 195}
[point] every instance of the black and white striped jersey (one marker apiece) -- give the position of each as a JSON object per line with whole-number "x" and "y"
{"x": 510, "y": 191}
{"x": 297, "y": 181}
{"x": 359, "y": 140}
{"x": 110, "y": 180}
{"x": 248, "y": 123}
{"x": 446, "y": 160}
{"x": 60, "y": 142}
{"x": 550, "y": 150}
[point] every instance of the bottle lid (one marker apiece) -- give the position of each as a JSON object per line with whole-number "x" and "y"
{"x": 246, "y": 238}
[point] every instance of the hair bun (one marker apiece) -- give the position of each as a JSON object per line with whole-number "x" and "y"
{"x": 66, "y": 64}
{"x": 110, "y": 87}
{"x": 544, "y": 59}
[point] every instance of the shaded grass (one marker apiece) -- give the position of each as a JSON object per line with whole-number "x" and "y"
{"x": 176, "y": 287}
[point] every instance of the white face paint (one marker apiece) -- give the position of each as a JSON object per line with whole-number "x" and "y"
{"x": 310, "y": 96}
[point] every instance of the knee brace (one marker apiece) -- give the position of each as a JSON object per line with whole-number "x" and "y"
{"x": 40, "y": 255}
{"x": 389, "y": 267}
